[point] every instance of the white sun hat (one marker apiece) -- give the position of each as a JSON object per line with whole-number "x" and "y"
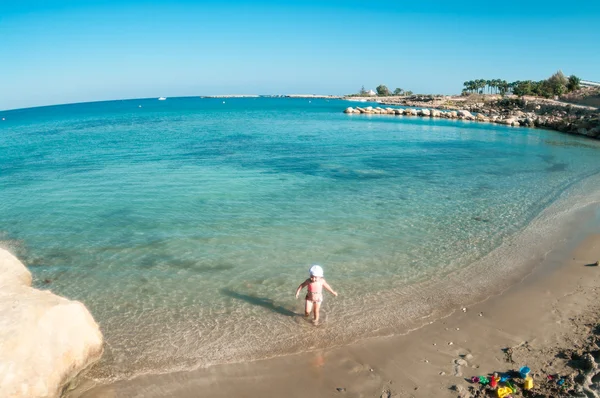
{"x": 316, "y": 270}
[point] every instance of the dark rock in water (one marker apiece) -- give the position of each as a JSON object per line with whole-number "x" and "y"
{"x": 47, "y": 281}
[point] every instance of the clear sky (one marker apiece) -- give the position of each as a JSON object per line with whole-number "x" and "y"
{"x": 62, "y": 51}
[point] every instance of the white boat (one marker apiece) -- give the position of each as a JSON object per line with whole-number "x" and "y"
{"x": 162, "y": 98}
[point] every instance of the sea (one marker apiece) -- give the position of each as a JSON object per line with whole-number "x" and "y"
{"x": 185, "y": 225}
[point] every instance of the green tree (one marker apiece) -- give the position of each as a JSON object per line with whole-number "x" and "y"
{"x": 469, "y": 86}
{"x": 503, "y": 87}
{"x": 522, "y": 88}
{"x": 398, "y": 91}
{"x": 574, "y": 83}
{"x": 408, "y": 93}
{"x": 362, "y": 91}
{"x": 545, "y": 89}
{"x": 558, "y": 83}
{"x": 496, "y": 84}
{"x": 480, "y": 85}
{"x": 382, "y": 90}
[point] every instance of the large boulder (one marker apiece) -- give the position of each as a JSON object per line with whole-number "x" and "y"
{"x": 45, "y": 340}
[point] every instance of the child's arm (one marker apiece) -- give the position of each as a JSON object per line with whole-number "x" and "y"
{"x": 326, "y": 286}
{"x": 301, "y": 287}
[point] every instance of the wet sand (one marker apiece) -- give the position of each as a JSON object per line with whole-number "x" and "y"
{"x": 555, "y": 305}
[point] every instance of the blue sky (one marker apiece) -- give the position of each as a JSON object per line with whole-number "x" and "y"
{"x": 57, "y": 51}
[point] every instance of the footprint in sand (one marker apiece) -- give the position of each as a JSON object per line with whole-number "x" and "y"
{"x": 458, "y": 364}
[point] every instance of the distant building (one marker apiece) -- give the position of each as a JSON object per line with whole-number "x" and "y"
{"x": 371, "y": 93}
{"x": 587, "y": 83}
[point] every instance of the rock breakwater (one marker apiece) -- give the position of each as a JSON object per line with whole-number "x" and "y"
{"x": 512, "y": 112}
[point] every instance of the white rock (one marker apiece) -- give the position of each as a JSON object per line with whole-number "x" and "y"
{"x": 349, "y": 110}
{"x": 45, "y": 340}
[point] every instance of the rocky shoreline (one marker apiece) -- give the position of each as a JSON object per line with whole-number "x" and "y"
{"x": 553, "y": 115}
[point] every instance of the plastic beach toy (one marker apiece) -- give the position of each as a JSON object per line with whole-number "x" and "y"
{"x": 503, "y": 392}
{"x": 528, "y": 385}
{"x": 512, "y": 388}
{"x": 483, "y": 380}
{"x": 494, "y": 380}
{"x": 474, "y": 379}
{"x": 524, "y": 371}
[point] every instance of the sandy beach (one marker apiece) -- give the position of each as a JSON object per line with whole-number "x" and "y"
{"x": 554, "y": 306}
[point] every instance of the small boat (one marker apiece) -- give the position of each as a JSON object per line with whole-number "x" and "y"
{"x": 162, "y": 98}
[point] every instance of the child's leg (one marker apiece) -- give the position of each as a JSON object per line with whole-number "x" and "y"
{"x": 308, "y": 307}
{"x": 317, "y": 309}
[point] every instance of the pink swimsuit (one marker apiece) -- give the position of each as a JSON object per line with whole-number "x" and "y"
{"x": 315, "y": 292}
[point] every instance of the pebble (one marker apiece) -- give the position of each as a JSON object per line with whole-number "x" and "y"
{"x": 457, "y": 328}
{"x": 442, "y": 373}
{"x": 434, "y": 344}
{"x": 464, "y": 309}
{"x": 450, "y": 343}
{"x": 341, "y": 389}
{"x": 469, "y": 357}
{"x": 426, "y": 361}
{"x": 481, "y": 314}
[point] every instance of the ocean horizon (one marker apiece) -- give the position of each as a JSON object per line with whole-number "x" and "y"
{"x": 185, "y": 225}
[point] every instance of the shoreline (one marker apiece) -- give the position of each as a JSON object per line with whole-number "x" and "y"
{"x": 527, "y": 111}
{"x": 288, "y": 368}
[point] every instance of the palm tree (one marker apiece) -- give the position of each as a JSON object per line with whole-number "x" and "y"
{"x": 480, "y": 85}
{"x": 503, "y": 86}
{"x": 496, "y": 83}
{"x": 468, "y": 85}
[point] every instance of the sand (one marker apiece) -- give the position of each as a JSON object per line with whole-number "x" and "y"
{"x": 554, "y": 308}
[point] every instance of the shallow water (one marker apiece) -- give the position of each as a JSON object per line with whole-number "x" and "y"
{"x": 185, "y": 225}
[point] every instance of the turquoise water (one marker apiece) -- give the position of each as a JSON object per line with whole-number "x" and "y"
{"x": 186, "y": 225}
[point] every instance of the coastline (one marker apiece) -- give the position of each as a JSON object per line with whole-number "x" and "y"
{"x": 424, "y": 359}
{"x": 513, "y": 111}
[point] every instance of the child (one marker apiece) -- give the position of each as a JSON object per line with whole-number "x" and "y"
{"x": 314, "y": 297}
